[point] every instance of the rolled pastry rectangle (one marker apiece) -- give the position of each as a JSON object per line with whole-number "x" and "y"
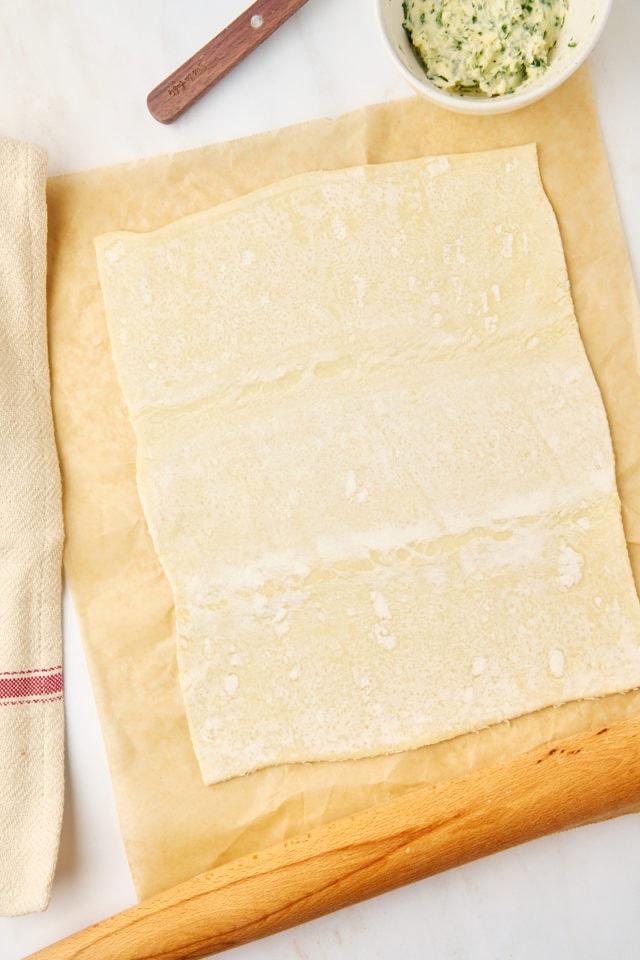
{"x": 373, "y": 459}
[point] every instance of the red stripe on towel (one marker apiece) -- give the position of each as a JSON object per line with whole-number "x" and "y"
{"x": 31, "y": 684}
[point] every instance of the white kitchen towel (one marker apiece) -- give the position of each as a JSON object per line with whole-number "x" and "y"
{"x": 31, "y": 708}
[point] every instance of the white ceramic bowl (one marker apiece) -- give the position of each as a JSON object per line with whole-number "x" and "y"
{"x": 583, "y": 26}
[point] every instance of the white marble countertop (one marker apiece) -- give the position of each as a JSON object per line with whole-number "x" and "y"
{"x": 74, "y": 77}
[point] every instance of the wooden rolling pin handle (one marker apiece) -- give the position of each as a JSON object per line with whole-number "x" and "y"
{"x": 560, "y": 785}
{"x": 187, "y": 84}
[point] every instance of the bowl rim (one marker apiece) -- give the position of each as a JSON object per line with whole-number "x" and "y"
{"x": 502, "y": 103}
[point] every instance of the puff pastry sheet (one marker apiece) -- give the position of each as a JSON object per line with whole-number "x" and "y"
{"x": 373, "y": 459}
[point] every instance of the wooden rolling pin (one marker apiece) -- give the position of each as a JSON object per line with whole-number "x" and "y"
{"x": 564, "y": 784}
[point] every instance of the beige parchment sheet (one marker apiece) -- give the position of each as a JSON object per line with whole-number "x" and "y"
{"x": 173, "y": 826}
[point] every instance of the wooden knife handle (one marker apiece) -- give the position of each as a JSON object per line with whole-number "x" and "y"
{"x": 564, "y": 784}
{"x": 210, "y": 64}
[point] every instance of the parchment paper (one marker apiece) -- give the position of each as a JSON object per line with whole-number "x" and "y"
{"x": 173, "y": 826}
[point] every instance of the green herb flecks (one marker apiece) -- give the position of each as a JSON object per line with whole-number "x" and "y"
{"x": 484, "y": 45}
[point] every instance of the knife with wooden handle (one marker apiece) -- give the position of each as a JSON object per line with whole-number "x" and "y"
{"x": 210, "y": 64}
{"x": 564, "y": 784}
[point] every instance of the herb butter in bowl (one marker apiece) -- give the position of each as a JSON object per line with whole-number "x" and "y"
{"x": 490, "y": 56}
